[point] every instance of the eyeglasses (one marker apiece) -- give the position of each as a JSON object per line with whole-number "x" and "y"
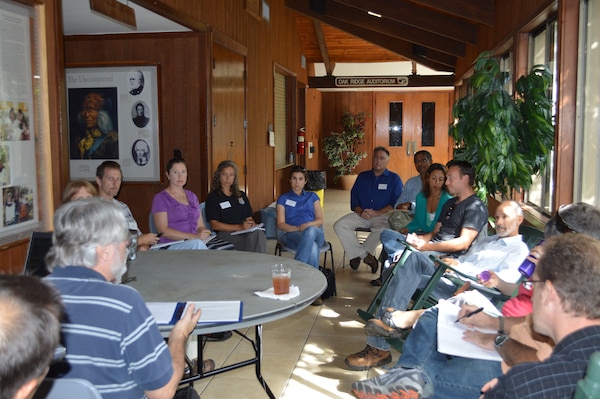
{"x": 528, "y": 284}
{"x": 450, "y": 209}
{"x": 561, "y": 225}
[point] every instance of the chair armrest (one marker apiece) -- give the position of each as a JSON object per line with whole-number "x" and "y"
{"x": 483, "y": 289}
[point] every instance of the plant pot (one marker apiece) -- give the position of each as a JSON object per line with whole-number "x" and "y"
{"x": 347, "y": 181}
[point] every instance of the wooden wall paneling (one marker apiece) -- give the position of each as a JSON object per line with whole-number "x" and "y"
{"x": 12, "y": 257}
{"x": 509, "y": 17}
{"x": 181, "y": 58}
{"x": 568, "y": 47}
{"x": 276, "y": 41}
{"x": 314, "y": 132}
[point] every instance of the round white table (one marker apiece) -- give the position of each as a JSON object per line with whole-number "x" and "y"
{"x": 182, "y": 276}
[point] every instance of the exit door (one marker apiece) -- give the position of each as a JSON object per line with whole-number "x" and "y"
{"x": 409, "y": 122}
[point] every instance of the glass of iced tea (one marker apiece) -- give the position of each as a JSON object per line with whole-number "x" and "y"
{"x": 282, "y": 275}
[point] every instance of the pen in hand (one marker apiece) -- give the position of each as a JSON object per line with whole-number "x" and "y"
{"x": 469, "y": 314}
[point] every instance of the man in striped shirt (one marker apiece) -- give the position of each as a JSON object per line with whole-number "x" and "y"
{"x": 110, "y": 336}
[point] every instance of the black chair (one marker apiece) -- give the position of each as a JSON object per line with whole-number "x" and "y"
{"x": 39, "y": 245}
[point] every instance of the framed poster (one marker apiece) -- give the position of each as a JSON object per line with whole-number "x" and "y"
{"x": 22, "y": 137}
{"x": 113, "y": 115}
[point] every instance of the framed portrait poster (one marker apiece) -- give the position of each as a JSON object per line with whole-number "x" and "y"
{"x": 22, "y": 137}
{"x": 113, "y": 115}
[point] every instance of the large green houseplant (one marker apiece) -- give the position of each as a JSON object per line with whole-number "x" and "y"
{"x": 341, "y": 147}
{"x": 506, "y": 138}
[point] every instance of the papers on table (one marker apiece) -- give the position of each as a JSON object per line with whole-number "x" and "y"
{"x": 165, "y": 245}
{"x": 251, "y": 229}
{"x": 212, "y": 311}
{"x": 450, "y": 333}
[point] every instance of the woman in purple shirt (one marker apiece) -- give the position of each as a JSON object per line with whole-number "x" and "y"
{"x": 176, "y": 211}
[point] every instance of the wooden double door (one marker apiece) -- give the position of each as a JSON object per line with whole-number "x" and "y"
{"x": 411, "y": 121}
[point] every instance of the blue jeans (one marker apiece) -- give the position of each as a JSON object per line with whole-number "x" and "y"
{"x": 451, "y": 377}
{"x": 389, "y": 240}
{"x": 307, "y": 244}
{"x": 414, "y": 274}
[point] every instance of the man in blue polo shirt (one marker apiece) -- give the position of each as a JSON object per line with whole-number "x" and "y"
{"x": 373, "y": 195}
{"x": 110, "y": 336}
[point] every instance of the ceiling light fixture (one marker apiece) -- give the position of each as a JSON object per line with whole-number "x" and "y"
{"x": 374, "y": 14}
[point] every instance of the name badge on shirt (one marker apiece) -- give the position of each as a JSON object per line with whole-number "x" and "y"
{"x": 382, "y": 186}
{"x": 291, "y": 203}
{"x": 225, "y": 205}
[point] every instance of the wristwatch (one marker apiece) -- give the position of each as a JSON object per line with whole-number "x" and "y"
{"x": 500, "y": 340}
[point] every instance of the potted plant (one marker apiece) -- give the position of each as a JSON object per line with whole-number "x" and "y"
{"x": 506, "y": 138}
{"x": 341, "y": 147}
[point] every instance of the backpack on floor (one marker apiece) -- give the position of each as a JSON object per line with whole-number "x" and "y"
{"x": 330, "y": 290}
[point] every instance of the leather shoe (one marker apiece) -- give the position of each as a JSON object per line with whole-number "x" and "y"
{"x": 367, "y": 358}
{"x": 207, "y": 365}
{"x": 378, "y": 328}
{"x": 354, "y": 263}
{"x": 376, "y": 282}
{"x": 371, "y": 261}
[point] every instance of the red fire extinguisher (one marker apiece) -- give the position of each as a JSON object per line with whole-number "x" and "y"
{"x": 301, "y": 136}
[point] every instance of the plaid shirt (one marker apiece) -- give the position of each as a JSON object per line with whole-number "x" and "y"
{"x": 555, "y": 377}
{"x": 131, "y": 223}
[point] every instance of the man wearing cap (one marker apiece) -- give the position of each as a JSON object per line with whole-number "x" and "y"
{"x": 99, "y": 140}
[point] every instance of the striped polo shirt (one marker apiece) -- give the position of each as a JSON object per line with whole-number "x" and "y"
{"x": 110, "y": 335}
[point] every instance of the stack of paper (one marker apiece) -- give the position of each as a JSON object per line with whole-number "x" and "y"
{"x": 212, "y": 311}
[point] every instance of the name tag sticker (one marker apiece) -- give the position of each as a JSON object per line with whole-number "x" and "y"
{"x": 291, "y": 203}
{"x": 382, "y": 186}
{"x": 225, "y": 205}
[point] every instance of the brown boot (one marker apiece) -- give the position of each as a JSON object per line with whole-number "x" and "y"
{"x": 372, "y": 262}
{"x": 367, "y": 358}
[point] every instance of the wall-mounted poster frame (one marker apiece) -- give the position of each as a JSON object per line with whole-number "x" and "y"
{"x": 114, "y": 115}
{"x": 25, "y": 169}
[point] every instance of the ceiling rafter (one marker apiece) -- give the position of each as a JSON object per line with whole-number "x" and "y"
{"x": 409, "y": 14}
{"x": 430, "y": 58}
{"x": 360, "y": 18}
{"x": 481, "y": 11}
{"x": 323, "y": 48}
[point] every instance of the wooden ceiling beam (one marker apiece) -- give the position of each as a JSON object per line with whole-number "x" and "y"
{"x": 430, "y": 58}
{"x": 158, "y": 7}
{"x": 323, "y": 48}
{"x": 481, "y": 11}
{"x": 419, "y": 17}
{"x": 392, "y": 28}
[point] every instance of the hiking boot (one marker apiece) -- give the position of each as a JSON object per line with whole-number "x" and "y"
{"x": 378, "y": 328}
{"x": 396, "y": 384}
{"x": 367, "y": 358}
{"x": 372, "y": 262}
{"x": 354, "y": 263}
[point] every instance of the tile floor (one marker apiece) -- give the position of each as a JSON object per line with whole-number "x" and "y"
{"x": 303, "y": 354}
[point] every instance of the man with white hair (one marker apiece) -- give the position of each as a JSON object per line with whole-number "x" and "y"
{"x": 110, "y": 335}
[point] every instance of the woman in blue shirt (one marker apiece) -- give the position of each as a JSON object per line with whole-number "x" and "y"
{"x": 300, "y": 219}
